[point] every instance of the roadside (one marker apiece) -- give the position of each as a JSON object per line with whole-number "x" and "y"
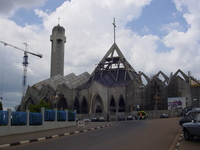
{"x": 185, "y": 145}
{"x": 17, "y": 139}
{"x": 176, "y": 142}
{"x": 180, "y": 143}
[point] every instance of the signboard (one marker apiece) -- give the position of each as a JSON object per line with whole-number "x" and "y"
{"x": 176, "y": 103}
{"x": 81, "y": 123}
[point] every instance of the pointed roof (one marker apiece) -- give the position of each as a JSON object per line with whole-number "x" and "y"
{"x": 114, "y": 69}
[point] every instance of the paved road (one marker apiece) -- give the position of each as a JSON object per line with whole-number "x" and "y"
{"x": 149, "y": 135}
{"x": 6, "y": 141}
{"x": 155, "y": 134}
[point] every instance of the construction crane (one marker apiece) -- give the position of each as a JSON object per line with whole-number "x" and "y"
{"x": 25, "y": 63}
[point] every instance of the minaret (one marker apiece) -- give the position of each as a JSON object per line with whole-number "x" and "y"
{"x": 58, "y": 40}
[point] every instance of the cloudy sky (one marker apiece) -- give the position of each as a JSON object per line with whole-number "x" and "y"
{"x": 153, "y": 35}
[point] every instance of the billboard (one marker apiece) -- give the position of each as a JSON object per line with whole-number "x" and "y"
{"x": 176, "y": 103}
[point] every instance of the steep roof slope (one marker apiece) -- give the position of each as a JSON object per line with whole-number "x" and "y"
{"x": 114, "y": 69}
{"x": 71, "y": 80}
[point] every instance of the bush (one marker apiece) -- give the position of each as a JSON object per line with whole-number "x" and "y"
{"x": 37, "y": 107}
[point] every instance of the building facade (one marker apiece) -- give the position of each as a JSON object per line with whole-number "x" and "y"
{"x": 114, "y": 86}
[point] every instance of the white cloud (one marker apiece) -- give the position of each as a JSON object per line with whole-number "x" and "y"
{"x": 41, "y": 13}
{"x": 186, "y": 45}
{"x": 172, "y": 26}
{"x": 8, "y": 7}
{"x": 146, "y": 30}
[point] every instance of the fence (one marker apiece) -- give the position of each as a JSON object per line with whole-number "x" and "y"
{"x": 22, "y": 122}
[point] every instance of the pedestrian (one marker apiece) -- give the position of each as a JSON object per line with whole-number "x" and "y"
{"x": 140, "y": 116}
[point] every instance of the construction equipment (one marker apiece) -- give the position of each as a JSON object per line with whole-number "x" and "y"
{"x": 25, "y": 63}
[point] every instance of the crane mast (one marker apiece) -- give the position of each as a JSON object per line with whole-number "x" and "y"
{"x": 24, "y": 63}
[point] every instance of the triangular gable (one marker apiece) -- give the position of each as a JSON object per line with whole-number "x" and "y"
{"x": 182, "y": 75}
{"x": 114, "y": 68}
{"x": 160, "y": 75}
{"x": 144, "y": 78}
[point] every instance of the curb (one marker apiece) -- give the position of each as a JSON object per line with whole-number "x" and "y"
{"x": 53, "y": 136}
{"x": 179, "y": 140}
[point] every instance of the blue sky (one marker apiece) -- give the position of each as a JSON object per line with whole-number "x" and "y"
{"x": 25, "y": 16}
{"x": 153, "y": 35}
{"x": 156, "y": 14}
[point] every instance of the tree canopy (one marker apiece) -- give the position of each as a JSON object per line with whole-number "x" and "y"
{"x": 37, "y": 107}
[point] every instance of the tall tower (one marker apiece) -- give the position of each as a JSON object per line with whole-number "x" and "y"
{"x": 58, "y": 40}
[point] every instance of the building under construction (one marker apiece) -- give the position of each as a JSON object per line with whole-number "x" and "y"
{"x": 113, "y": 86}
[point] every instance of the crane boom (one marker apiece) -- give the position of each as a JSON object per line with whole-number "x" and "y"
{"x": 7, "y": 44}
{"x": 25, "y": 63}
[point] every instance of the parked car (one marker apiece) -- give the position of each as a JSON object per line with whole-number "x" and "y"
{"x": 121, "y": 118}
{"x": 129, "y": 118}
{"x": 189, "y": 116}
{"x": 164, "y": 115}
{"x": 141, "y": 115}
{"x": 86, "y": 120}
{"x": 192, "y": 129}
{"x": 94, "y": 119}
{"x": 101, "y": 119}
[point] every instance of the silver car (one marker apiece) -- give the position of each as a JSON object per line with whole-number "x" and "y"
{"x": 192, "y": 129}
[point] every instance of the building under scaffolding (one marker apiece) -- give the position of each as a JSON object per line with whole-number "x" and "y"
{"x": 113, "y": 86}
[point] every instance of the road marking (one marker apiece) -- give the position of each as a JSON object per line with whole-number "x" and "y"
{"x": 179, "y": 142}
{"x": 42, "y": 138}
{"x": 24, "y": 142}
{"x": 53, "y": 136}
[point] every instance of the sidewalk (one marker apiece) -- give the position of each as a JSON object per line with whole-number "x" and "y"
{"x": 17, "y": 139}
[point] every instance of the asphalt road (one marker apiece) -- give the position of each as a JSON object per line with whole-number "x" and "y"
{"x": 154, "y": 134}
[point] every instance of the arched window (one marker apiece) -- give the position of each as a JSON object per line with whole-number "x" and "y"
{"x": 112, "y": 105}
{"x": 97, "y": 105}
{"x": 121, "y": 105}
{"x": 62, "y": 103}
{"x": 84, "y": 106}
{"x": 98, "y": 109}
{"x": 77, "y": 106}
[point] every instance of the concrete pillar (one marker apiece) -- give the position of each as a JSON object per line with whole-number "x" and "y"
{"x": 9, "y": 120}
{"x": 58, "y": 40}
{"x": 27, "y": 120}
{"x": 42, "y": 111}
{"x": 75, "y": 114}
{"x": 56, "y": 116}
{"x": 66, "y": 116}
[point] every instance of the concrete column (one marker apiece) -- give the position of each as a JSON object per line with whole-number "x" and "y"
{"x": 9, "y": 120}
{"x": 75, "y": 114}
{"x": 42, "y": 111}
{"x": 66, "y": 116}
{"x": 27, "y": 120}
{"x": 56, "y": 116}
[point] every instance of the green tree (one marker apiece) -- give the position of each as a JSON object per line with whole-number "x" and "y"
{"x": 37, "y": 107}
{"x": 1, "y": 106}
